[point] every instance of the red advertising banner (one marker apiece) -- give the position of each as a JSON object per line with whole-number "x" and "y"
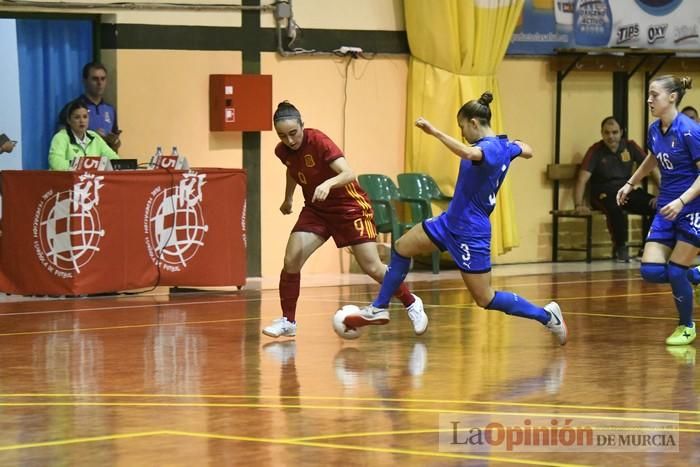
{"x": 72, "y": 233}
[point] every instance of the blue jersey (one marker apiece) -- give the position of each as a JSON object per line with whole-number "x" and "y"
{"x": 676, "y": 151}
{"x": 477, "y": 185}
{"x": 102, "y": 116}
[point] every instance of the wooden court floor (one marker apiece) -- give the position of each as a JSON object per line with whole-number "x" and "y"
{"x": 189, "y": 380}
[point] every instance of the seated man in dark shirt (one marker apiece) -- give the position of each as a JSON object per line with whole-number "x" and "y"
{"x": 691, "y": 112}
{"x": 608, "y": 164}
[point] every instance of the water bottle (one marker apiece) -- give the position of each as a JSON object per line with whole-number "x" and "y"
{"x": 592, "y": 23}
{"x": 154, "y": 160}
{"x": 175, "y": 153}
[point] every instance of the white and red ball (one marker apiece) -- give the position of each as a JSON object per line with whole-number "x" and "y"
{"x": 339, "y": 326}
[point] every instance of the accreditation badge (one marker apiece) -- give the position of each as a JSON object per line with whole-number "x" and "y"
{"x": 625, "y": 156}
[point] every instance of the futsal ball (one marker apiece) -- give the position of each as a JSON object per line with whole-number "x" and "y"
{"x": 339, "y": 326}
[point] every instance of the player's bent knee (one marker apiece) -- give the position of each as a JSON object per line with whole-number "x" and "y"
{"x": 693, "y": 275}
{"x": 292, "y": 265}
{"x": 654, "y": 272}
{"x": 375, "y": 270}
{"x": 399, "y": 247}
{"x": 677, "y": 273}
{"x": 483, "y": 299}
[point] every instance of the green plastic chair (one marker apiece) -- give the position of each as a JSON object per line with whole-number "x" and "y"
{"x": 421, "y": 190}
{"x": 383, "y": 194}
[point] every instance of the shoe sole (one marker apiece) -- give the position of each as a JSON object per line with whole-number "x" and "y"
{"x": 269, "y": 334}
{"x": 681, "y": 343}
{"x": 420, "y": 333}
{"x": 358, "y": 321}
{"x": 563, "y": 323}
{"x": 566, "y": 332}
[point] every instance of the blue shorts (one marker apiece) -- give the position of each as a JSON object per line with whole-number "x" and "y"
{"x": 685, "y": 228}
{"x": 471, "y": 254}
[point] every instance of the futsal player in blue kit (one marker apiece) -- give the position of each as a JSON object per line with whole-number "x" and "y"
{"x": 674, "y": 236}
{"x": 464, "y": 230}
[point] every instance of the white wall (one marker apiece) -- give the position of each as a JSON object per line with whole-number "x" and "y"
{"x": 366, "y": 15}
{"x": 10, "y": 114}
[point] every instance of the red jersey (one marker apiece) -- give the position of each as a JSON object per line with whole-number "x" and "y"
{"x": 310, "y": 165}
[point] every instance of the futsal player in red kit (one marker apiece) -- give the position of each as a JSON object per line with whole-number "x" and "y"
{"x": 334, "y": 206}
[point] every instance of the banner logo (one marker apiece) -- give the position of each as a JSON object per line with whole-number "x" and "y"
{"x": 174, "y": 224}
{"x": 684, "y": 33}
{"x": 656, "y": 32}
{"x": 67, "y": 228}
{"x": 627, "y": 33}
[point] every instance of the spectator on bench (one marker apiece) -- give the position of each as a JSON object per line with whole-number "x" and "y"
{"x": 691, "y": 112}
{"x": 608, "y": 164}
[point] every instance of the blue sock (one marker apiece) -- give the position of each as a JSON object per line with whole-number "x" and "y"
{"x": 682, "y": 292}
{"x": 694, "y": 275}
{"x": 512, "y": 304}
{"x": 395, "y": 274}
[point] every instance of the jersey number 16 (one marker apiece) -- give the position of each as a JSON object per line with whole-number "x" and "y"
{"x": 664, "y": 160}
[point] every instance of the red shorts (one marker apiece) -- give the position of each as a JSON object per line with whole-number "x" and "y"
{"x": 348, "y": 224}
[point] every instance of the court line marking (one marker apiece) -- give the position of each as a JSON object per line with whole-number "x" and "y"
{"x": 275, "y": 298}
{"x": 410, "y": 452}
{"x": 126, "y": 326}
{"x": 524, "y": 284}
{"x": 582, "y": 297}
{"x": 355, "y": 399}
{"x": 428, "y": 306}
{"x": 303, "y": 442}
{"x": 88, "y": 439}
{"x": 466, "y": 430}
{"x": 342, "y": 407}
{"x": 290, "y": 442}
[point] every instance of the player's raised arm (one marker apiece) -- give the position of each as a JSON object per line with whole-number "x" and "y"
{"x": 525, "y": 149}
{"x": 458, "y": 148}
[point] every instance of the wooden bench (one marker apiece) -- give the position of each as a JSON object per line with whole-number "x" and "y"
{"x": 568, "y": 173}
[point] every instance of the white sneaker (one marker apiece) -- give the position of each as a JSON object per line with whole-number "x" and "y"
{"x": 281, "y": 327}
{"x": 367, "y": 315}
{"x": 556, "y": 322}
{"x": 417, "y": 315}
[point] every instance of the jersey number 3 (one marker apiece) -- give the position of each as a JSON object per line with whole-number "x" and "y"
{"x": 466, "y": 255}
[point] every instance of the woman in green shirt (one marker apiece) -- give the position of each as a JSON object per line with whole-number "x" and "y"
{"x": 76, "y": 140}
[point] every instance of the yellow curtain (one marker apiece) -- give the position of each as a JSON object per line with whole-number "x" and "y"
{"x": 456, "y": 46}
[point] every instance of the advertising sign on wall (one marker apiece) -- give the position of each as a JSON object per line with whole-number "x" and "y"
{"x": 546, "y": 25}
